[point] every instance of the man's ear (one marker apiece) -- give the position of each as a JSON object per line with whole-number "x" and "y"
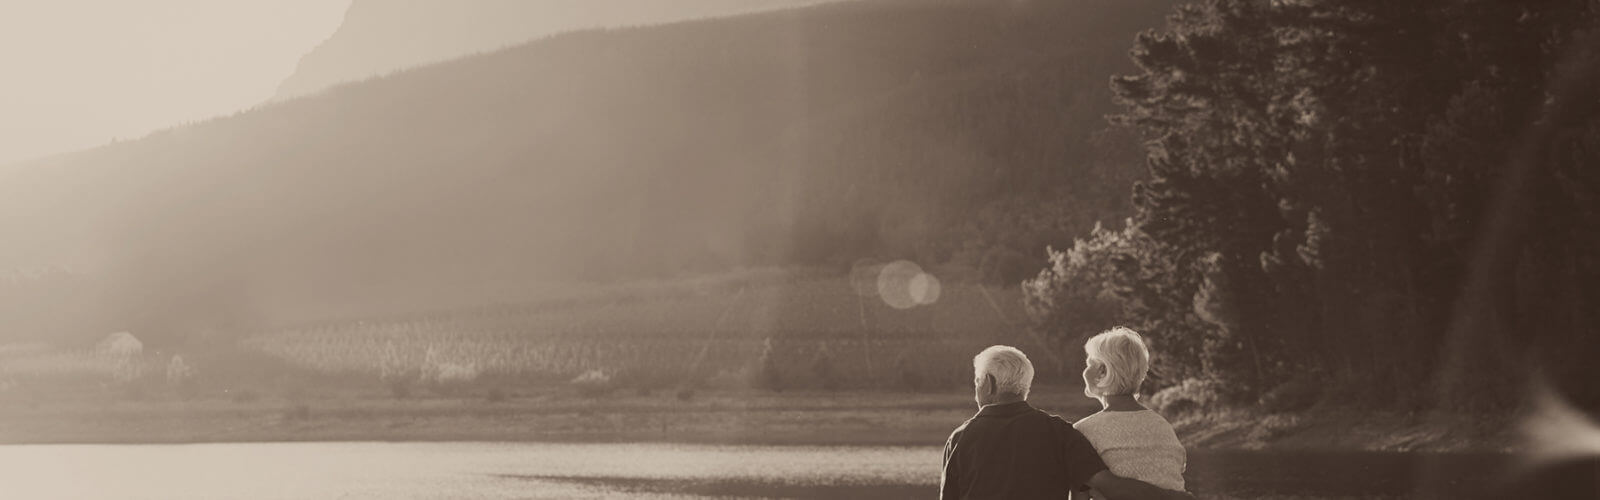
{"x": 989, "y": 384}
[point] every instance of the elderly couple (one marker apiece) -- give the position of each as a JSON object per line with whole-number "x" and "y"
{"x": 1013, "y": 450}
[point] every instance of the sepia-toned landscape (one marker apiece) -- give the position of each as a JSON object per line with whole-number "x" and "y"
{"x": 714, "y": 249}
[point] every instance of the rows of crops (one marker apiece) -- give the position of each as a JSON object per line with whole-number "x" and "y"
{"x": 44, "y": 360}
{"x": 794, "y": 326}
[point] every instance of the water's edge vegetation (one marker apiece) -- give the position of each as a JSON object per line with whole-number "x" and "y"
{"x": 764, "y": 358}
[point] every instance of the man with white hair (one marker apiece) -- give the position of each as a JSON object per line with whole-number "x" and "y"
{"x": 1012, "y": 450}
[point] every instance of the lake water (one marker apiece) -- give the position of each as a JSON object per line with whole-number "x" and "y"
{"x": 648, "y": 470}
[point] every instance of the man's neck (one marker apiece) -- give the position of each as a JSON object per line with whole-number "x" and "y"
{"x": 1000, "y": 401}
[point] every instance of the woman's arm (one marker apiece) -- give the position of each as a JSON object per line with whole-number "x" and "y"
{"x": 1119, "y": 488}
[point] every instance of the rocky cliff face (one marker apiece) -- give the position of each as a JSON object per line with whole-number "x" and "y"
{"x": 382, "y": 36}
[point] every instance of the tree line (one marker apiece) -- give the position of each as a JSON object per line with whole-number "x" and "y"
{"x": 1395, "y": 202}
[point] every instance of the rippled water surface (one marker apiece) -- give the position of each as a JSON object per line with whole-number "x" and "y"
{"x": 456, "y": 470}
{"x": 649, "y": 470}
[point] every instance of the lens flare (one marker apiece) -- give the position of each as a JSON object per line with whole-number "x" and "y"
{"x": 896, "y": 288}
{"x": 925, "y": 289}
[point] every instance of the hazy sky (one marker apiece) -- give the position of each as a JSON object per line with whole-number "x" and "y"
{"x": 78, "y": 73}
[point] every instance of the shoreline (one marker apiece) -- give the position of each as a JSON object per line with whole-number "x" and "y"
{"x": 715, "y": 418}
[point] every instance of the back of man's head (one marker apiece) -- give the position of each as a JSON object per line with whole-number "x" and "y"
{"x": 1009, "y": 370}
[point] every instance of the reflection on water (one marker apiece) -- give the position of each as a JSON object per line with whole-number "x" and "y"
{"x": 446, "y": 470}
{"x": 651, "y": 470}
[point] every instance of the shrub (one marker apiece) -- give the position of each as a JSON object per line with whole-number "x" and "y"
{"x": 1190, "y": 395}
{"x": 1272, "y": 427}
{"x": 593, "y": 383}
{"x": 1123, "y": 277}
{"x": 446, "y": 378}
{"x": 178, "y": 372}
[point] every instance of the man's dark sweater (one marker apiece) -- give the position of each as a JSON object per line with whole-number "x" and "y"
{"x": 1014, "y": 450}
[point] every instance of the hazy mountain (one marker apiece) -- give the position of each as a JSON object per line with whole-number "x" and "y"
{"x": 930, "y": 130}
{"x": 83, "y": 74}
{"x": 380, "y": 36}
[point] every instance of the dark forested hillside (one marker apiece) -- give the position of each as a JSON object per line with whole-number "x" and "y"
{"x": 961, "y": 133}
{"x": 1380, "y": 203}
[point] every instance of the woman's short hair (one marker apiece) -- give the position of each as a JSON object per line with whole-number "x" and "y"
{"x": 1126, "y": 358}
{"x": 1012, "y": 372}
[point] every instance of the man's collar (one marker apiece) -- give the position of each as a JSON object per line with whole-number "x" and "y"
{"x": 1003, "y": 409}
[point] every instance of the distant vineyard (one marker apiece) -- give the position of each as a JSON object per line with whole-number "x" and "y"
{"x": 694, "y": 332}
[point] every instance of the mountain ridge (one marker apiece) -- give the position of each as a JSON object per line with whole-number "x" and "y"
{"x": 943, "y": 132}
{"x": 380, "y": 37}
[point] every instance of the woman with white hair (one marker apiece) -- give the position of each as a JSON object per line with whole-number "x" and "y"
{"x": 1134, "y": 442}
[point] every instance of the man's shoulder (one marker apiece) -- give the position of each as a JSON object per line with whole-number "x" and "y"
{"x": 960, "y": 429}
{"x": 1033, "y": 418}
{"x": 1055, "y": 419}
